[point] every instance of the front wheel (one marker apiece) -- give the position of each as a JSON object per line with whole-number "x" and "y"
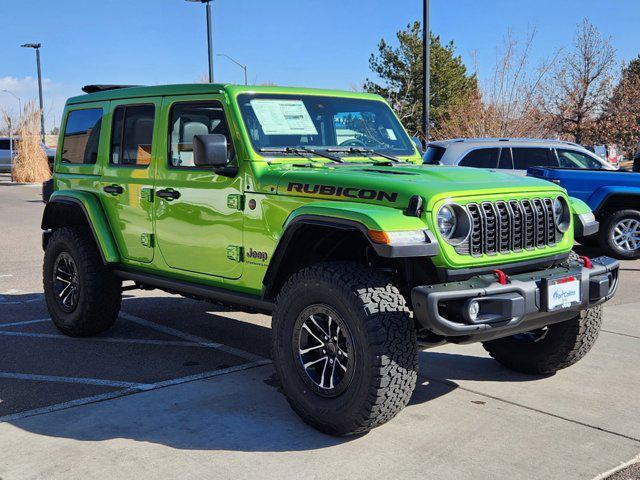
{"x": 620, "y": 235}
{"x": 549, "y": 349}
{"x": 344, "y": 347}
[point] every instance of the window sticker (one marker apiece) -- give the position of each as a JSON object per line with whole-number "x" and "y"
{"x": 283, "y": 117}
{"x": 391, "y": 134}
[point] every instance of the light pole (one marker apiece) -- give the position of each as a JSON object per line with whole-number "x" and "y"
{"x": 17, "y": 98}
{"x": 244, "y": 67}
{"x": 37, "y": 46}
{"x": 209, "y": 37}
{"x": 426, "y": 47}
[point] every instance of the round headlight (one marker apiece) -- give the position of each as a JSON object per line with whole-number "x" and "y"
{"x": 561, "y": 214}
{"x": 454, "y": 223}
{"x": 447, "y": 221}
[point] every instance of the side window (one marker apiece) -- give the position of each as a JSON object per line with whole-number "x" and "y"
{"x": 131, "y": 135}
{"x": 524, "y": 158}
{"x": 4, "y": 144}
{"x": 82, "y": 136}
{"x": 481, "y": 158}
{"x": 505, "y": 162}
{"x": 574, "y": 159}
{"x": 188, "y": 120}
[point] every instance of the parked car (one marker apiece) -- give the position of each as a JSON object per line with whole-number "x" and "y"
{"x": 6, "y": 161}
{"x": 313, "y": 206}
{"x": 613, "y": 196}
{"x": 513, "y": 155}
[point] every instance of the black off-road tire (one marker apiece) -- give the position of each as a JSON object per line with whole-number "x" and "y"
{"x": 605, "y": 240}
{"x": 563, "y": 345}
{"x": 384, "y": 342}
{"x": 100, "y": 291}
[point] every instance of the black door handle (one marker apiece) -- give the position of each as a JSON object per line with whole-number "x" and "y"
{"x": 168, "y": 194}
{"x": 113, "y": 189}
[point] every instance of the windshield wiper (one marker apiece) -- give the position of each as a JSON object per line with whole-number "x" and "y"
{"x": 300, "y": 151}
{"x": 366, "y": 151}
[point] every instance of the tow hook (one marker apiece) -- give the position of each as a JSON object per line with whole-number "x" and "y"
{"x": 586, "y": 262}
{"x": 502, "y": 277}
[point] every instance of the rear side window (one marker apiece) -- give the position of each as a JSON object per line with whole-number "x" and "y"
{"x": 433, "y": 155}
{"x": 481, "y": 158}
{"x": 82, "y": 136}
{"x": 191, "y": 119}
{"x": 131, "y": 135}
{"x": 574, "y": 159}
{"x": 4, "y": 145}
{"x": 524, "y": 158}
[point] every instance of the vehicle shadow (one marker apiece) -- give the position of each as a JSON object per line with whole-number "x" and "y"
{"x": 242, "y": 411}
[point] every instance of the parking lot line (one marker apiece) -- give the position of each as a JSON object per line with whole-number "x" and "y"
{"x": 131, "y": 390}
{"x": 25, "y": 322}
{"x": 85, "y": 381}
{"x": 141, "y": 341}
{"x": 192, "y": 338}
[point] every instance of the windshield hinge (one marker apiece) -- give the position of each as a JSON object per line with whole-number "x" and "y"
{"x": 235, "y": 201}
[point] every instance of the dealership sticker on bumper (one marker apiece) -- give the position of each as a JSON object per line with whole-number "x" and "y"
{"x": 563, "y": 293}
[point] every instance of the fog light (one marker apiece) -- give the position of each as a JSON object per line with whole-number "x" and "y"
{"x": 473, "y": 310}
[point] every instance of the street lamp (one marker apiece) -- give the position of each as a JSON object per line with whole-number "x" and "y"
{"x": 209, "y": 37}
{"x": 17, "y": 98}
{"x": 426, "y": 41}
{"x": 244, "y": 67}
{"x": 36, "y": 47}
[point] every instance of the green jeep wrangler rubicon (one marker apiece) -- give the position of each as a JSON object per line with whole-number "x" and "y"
{"x": 312, "y": 205}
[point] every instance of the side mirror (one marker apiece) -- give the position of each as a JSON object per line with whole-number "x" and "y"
{"x": 210, "y": 150}
{"x": 418, "y": 144}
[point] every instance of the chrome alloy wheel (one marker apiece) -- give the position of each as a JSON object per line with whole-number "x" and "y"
{"x": 324, "y": 349}
{"x": 626, "y": 234}
{"x": 66, "y": 284}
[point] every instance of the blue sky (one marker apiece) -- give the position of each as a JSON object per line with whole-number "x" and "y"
{"x": 318, "y": 43}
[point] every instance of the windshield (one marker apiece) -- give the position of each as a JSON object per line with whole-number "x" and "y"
{"x": 322, "y": 123}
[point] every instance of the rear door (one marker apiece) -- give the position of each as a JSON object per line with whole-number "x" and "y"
{"x": 127, "y": 177}
{"x": 198, "y": 213}
{"x": 525, "y": 157}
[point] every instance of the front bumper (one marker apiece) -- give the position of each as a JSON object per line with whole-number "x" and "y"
{"x": 517, "y": 306}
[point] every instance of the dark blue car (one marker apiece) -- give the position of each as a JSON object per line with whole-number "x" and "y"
{"x": 614, "y": 197}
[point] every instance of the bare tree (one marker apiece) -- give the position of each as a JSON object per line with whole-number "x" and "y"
{"x": 508, "y": 105}
{"x": 581, "y": 85}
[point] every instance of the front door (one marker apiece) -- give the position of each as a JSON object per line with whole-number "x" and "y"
{"x": 198, "y": 214}
{"x": 127, "y": 180}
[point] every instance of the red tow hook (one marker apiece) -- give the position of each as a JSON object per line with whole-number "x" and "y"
{"x": 502, "y": 277}
{"x": 586, "y": 262}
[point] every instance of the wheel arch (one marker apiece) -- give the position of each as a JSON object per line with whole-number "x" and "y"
{"x": 78, "y": 208}
{"x": 612, "y": 199}
{"x": 310, "y": 236}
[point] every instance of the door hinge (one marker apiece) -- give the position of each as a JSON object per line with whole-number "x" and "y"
{"x": 235, "y": 201}
{"x": 234, "y": 253}
{"x": 146, "y": 193}
{"x": 146, "y": 239}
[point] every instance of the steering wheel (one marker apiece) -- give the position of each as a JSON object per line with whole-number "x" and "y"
{"x": 352, "y": 143}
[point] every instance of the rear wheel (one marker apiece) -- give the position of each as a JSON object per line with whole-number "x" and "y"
{"x": 551, "y": 348}
{"x": 620, "y": 235}
{"x": 82, "y": 295}
{"x": 344, "y": 347}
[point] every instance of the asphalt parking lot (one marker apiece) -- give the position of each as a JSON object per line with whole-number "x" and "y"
{"x": 184, "y": 389}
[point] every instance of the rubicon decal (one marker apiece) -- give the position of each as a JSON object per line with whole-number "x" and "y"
{"x": 349, "y": 192}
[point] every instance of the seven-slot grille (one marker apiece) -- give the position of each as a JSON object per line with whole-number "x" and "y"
{"x": 512, "y": 226}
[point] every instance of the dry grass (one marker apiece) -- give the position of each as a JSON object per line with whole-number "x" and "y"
{"x": 30, "y": 165}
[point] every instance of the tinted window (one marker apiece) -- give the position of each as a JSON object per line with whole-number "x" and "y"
{"x": 524, "y": 158}
{"x": 573, "y": 159}
{"x": 131, "y": 135}
{"x": 81, "y": 136}
{"x": 481, "y": 158}
{"x": 505, "y": 162}
{"x": 434, "y": 154}
{"x": 189, "y": 120}
{"x": 4, "y": 145}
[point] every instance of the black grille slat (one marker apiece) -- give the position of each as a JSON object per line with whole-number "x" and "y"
{"x": 516, "y": 225}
